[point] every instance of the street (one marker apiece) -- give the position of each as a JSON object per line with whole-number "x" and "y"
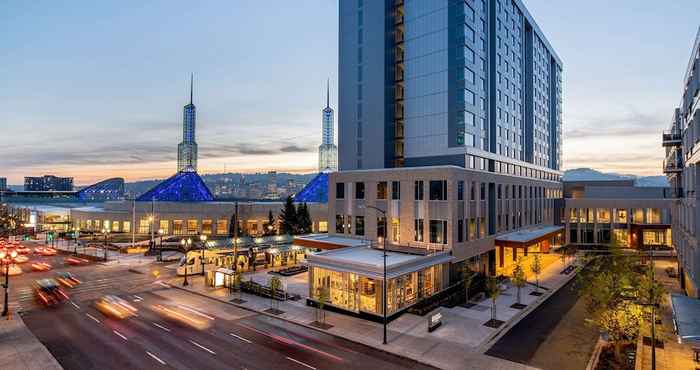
{"x": 80, "y": 337}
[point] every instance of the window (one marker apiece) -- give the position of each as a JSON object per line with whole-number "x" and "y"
{"x": 381, "y": 227}
{"x": 222, "y": 227}
{"x": 207, "y": 227}
{"x": 339, "y": 229}
{"x": 418, "y": 230}
{"x": 460, "y": 190}
{"x": 126, "y": 226}
{"x": 144, "y": 226}
{"x": 460, "y": 231}
{"x": 164, "y": 226}
{"x": 438, "y": 231}
{"x": 418, "y": 190}
{"x": 360, "y": 225}
{"x": 438, "y": 190}
{"x": 359, "y": 190}
{"x": 177, "y": 227}
{"x": 339, "y": 190}
{"x": 381, "y": 190}
{"x": 192, "y": 227}
{"x": 395, "y": 230}
{"x": 472, "y": 191}
{"x": 395, "y": 190}
{"x": 482, "y": 191}
{"x": 472, "y": 229}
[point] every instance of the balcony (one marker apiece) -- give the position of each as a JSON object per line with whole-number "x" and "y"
{"x": 672, "y": 138}
{"x": 674, "y": 162}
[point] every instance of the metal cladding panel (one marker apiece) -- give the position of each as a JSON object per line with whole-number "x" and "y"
{"x": 182, "y": 187}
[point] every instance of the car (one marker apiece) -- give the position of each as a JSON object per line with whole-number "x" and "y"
{"x": 48, "y": 292}
{"x": 14, "y": 270}
{"x": 115, "y": 307}
{"x": 74, "y": 261}
{"x": 48, "y": 252}
{"x": 182, "y": 316}
{"x": 21, "y": 259}
{"x": 41, "y": 266}
{"x": 67, "y": 279}
{"x": 23, "y": 250}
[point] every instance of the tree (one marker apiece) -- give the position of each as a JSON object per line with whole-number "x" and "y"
{"x": 323, "y": 297}
{"x": 269, "y": 226}
{"x": 536, "y": 268}
{"x": 233, "y": 224}
{"x": 237, "y": 280}
{"x": 275, "y": 284}
{"x": 493, "y": 290}
{"x": 519, "y": 278}
{"x": 468, "y": 276}
{"x": 288, "y": 218}
{"x": 304, "y": 219}
{"x": 9, "y": 223}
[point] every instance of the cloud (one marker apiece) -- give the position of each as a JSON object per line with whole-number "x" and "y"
{"x": 630, "y": 123}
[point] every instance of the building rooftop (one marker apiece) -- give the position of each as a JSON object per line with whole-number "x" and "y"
{"x": 526, "y": 235}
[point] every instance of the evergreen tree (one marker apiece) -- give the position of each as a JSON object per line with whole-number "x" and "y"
{"x": 288, "y": 218}
{"x": 269, "y": 226}
{"x": 304, "y": 219}
{"x": 233, "y": 224}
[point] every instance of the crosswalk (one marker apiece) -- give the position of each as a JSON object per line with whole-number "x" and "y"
{"x": 23, "y": 299}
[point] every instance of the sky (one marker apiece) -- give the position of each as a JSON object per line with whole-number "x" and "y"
{"x": 95, "y": 89}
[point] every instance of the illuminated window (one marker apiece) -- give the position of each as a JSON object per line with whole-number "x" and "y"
{"x": 192, "y": 227}
{"x": 222, "y": 227}
{"x": 322, "y": 226}
{"x": 207, "y": 227}
{"x": 178, "y": 227}
{"x": 164, "y": 226}
{"x": 115, "y": 225}
{"x": 144, "y": 226}
{"x": 395, "y": 230}
{"x": 126, "y": 226}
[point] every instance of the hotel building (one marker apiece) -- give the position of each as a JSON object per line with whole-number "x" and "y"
{"x": 681, "y": 167}
{"x": 449, "y": 148}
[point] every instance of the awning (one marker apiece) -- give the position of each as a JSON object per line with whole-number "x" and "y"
{"x": 686, "y": 317}
{"x": 529, "y": 236}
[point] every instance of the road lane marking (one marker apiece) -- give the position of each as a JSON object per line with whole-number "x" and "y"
{"x": 75, "y": 305}
{"x": 138, "y": 299}
{"x": 155, "y": 358}
{"x": 119, "y": 334}
{"x": 202, "y": 347}
{"x": 301, "y": 363}
{"x": 161, "y": 326}
{"x": 196, "y": 312}
{"x": 291, "y": 342}
{"x": 241, "y": 338}
{"x": 163, "y": 284}
{"x": 93, "y": 317}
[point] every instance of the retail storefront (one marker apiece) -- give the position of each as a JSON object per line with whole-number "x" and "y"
{"x": 352, "y": 278}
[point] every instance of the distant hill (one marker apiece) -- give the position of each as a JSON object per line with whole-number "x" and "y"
{"x": 589, "y": 174}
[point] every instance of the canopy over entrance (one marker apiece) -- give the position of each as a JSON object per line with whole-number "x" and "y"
{"x": 686, "y": 318}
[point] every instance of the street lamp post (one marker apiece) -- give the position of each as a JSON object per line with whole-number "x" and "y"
{"x": 384, "y": 284}
{"x": 203, "y": 243}
{"x": 160, "y": 244}
{"x": 6, "y": 259}
{"x": 186, "y": 246}
{"x": 104, "y": 244}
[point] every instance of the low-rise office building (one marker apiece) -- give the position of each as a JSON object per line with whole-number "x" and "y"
{"x": 607, "y": 212}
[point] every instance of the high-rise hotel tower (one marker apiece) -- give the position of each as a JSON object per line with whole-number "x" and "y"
{"x": 427, "y": 82}
{"x": 327, "y": 151}
{"x": 187, "y": 149}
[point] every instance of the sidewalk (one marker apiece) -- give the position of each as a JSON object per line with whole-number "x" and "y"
{"x": 20, "y": 350}
{"x": 458, "y": 344}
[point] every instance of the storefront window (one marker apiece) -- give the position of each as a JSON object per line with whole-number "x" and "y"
{"x": 418, "y": 230}
{"x": 360, "y": 225}
{"x": 222, "y": 227}
{"x": 207, "y": 227}
{"x": 144, "y": 226}
{"x": 339, "y": 227}
{"x": 621, "y": 216}
{"x": 603, "y": 215}
{"x": 115, "y": 226}
{"x": 654, "y": 237}
{"x": 126, "y": 226}
{"x": 638, "y": 216}
{"x": 395, "y": 230}
{"x": 322, "y": 226}
{"x": 653, "y": 216}
{"x": 178, "y": 227}
{"x": 621, "y": 237}
{"x": 164, "y": 225}
{"x": 438, "y": 231}
{"x": 192, "y": 228}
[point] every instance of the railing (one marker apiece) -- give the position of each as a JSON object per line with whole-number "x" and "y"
{"x": 673, "y": 137}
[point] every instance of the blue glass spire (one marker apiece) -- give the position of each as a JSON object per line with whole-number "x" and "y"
{"x": 316, "y": 191}
{"x": 182, "y": 187}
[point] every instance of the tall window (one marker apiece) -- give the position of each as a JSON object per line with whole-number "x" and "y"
{"x": 418, "y": 190}
{"x": 395, "y": 230}
{"x": 460, "y": 231}
{"x": 207, "y": 227}
{"x": 381, "y": 227}
{"x": 381, "y": 190}
{"x": 438, "y": 231}
{"x": 339, "y": 190}
{"x": 178, "y": 227}
{"x": 164, "y": 226}
{"x": 460, "y": 190}
{"x": 339, "y": 227}
{"x": 360, "y": 225}
{"x": 418, "y": 230}
{"x": 126, "y": 226}
{"x": 359, "y": 190}
{"x": 438, "y": 190}
{"x": 395, "y": 190}
{"x": 222, "y": 227}
{"x": 192, "y": 227}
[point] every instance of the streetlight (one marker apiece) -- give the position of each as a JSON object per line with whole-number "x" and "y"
{"x": 160, "y": 244}
{"x": 105, "y": 232}
{"x": 186, "y": 246}
{"x": 203, "y": 242}
{"x": 382, "y": 239}
{"x": 6, "y": 259}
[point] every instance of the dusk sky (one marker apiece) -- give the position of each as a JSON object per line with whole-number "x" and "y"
{"x": 95, "y": 89}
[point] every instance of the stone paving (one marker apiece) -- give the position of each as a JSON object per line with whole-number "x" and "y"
{"x": 458, "y": 344}
{"x": 20, "y": 350}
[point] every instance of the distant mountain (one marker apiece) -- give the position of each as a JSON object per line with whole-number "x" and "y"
{"x": 589, "y": 174}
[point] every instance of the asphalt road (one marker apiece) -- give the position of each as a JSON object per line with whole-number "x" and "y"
{"x": 80, "y": 337}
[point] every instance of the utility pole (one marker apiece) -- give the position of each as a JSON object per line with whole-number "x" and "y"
{"x": 133, "y": 222}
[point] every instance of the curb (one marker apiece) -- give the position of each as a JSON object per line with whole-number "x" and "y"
{"x": 304, "y": 325}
